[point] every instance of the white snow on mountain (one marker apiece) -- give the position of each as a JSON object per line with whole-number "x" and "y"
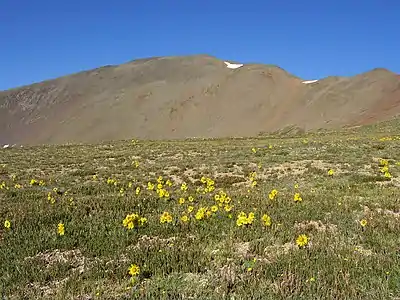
{"x": 232, "y": 66}
{"x": 309, "y": 81}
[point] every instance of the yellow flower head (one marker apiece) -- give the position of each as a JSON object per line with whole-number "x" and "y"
{"x": 331, "y": 172}
{"x": 134, "y": 270}
{"x": 363, "y": 222}
{"x": 302, "y": 240}
{"x": 181, "y": 201}
{"x": 214, "y": 208}
{"x": 185, "y": 219}
{"x": 7, "y": 224}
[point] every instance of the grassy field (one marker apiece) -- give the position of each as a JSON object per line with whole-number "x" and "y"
{"x": 220, "y": 219}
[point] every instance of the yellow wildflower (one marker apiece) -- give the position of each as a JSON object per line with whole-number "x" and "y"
{"x": 363, "y": 222}
{"x": 166, "y": 217}
{"x": 181, "y": 201}
{"x": 33, "y": 182}
{"x": 244, "y": 219}
{"x": 60, "y": 229}
{"x": 133, "y": 220}
{"x": 200, "y": 214}
{"x": 150, "y": 186}
{"x": 302, "y": 240}
{"x": 297, "y": 197}
{"x": 214, "y": 208}
{"x": 273, "y": 194}
{"x": 190, "y": 209}
{"x": 7, "y": 224}
{"x": 228, "y": 208}
{"x": 331, "y": 172}
{"x": 388, "y": 175}
{"x": 184, "y": 187}
{"x": 266, "y": 220}
{"x": 185, "y": 219}
{"x": 134, "y": 270}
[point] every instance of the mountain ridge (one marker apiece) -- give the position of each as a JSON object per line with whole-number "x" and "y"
{"x": 186, "y": 96}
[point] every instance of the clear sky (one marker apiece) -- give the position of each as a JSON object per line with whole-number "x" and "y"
{"x": 41, "y": 39}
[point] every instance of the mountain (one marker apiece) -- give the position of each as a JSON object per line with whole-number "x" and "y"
{"x": 190, "y": 96}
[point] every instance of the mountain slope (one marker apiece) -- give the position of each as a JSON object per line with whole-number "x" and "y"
{"x": 178, "y": 97}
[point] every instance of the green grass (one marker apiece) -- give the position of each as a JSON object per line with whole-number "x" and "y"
{"x": 211, "y": 258}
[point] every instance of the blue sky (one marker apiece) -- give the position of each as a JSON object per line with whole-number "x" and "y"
{"x": 312, "y": 39}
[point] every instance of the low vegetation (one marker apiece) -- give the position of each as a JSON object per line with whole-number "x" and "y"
{"x": 310, "y": 217}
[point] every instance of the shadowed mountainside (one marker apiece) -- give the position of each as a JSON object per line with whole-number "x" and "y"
{"x": 191, "y": 96}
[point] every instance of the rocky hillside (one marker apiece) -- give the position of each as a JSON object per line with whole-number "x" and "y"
{"x": 192, "y": 96}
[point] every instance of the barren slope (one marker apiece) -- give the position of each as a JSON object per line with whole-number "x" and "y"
{"x": 178, "y": 97}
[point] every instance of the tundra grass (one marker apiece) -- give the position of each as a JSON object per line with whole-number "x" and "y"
{"x": 203, "y": 219}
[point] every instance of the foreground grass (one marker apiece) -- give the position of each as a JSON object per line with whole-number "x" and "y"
{"x": 91, "y": 190}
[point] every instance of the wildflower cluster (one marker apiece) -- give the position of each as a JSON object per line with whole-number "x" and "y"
{"x": 201, "y": 213}
{"x": 209, "y": 185}
{"x": 297, "y": 197}
{"x": 273, "y": 194}
{"x": 266, "y": 219}
{"x": 134, "y": 221}
{"x": 384, "y": 164}
{"x": 111, "y": 181}
{"x": 166, "y": 217}
{"x": 223, "y": 200}
{"x": 244, "y": 219}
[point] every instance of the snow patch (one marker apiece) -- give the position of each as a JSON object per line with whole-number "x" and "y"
{"x": 309, "y": 81}
{"x": 232, "y": 66}
{"x": 6, "y": 146}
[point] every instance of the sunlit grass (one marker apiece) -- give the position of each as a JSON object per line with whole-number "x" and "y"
{"x": 312, "y": 217}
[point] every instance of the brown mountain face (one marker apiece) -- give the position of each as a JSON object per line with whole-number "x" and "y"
{"x": 192, "y": 96}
